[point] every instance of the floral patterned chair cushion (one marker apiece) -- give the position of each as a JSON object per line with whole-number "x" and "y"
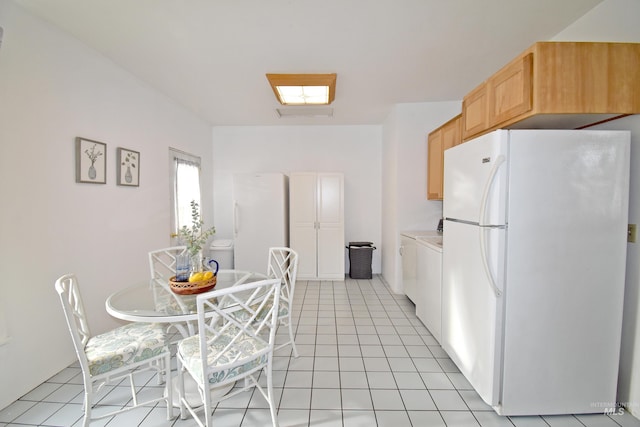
{"x": 251, "y": 353}
{"x": 283, "y": 311}
{"x": 167, "y": 302}
{"x": 124, "y": 345}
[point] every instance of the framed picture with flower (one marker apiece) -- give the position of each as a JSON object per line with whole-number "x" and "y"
{"x": 128, "y": 169}
{"x": 91, "y": 161}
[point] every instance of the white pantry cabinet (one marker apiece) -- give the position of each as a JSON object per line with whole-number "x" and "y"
{"x": 316, "y": 224}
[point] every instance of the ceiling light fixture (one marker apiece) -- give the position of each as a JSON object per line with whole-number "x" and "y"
{"x": 304, "y": 112}
{"x": 303, "y": 89}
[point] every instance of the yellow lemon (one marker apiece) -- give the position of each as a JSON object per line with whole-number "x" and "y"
{"x": 196, "y": 277}
{"x": 207, "y": 275}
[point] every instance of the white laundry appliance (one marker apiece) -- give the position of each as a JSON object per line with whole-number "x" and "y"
{"x": 260, "y": 218}
{"x": 534, "y": 267}
{"x": 409, "y": 254}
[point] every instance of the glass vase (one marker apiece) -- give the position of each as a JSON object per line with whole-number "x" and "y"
{"x": 195, "y": 263}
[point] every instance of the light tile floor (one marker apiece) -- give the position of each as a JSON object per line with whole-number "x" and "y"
{"x": 365, "y": 360}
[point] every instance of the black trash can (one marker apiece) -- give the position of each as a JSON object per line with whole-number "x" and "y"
{"x": 360, "y": 254}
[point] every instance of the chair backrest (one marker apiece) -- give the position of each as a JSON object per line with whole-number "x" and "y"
{"x": 240, "y": 322}
{"x": 283, "y": 264}
{"x": 162, "y": 263}
{"x": 162, "y": 266}
{"x": 69, "y": 292}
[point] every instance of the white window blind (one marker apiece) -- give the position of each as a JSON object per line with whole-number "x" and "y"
{"x": 186, "y": 186}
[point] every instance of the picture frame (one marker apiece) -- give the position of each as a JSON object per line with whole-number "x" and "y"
{"x": 128, "y": 167}
{"x": 91, "y": 161}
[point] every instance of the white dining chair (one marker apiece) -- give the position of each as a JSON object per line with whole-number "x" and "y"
{"x": 162, "y": 266}
{"x": 235, "y": 341}
{"x": 109, "y": 357}
{"x": 283, "y": 264}
{"x": 162, "y": 262}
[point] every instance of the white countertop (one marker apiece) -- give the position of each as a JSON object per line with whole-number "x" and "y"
{"x": 414, "y": 234}
{"x": 434, "y": 242}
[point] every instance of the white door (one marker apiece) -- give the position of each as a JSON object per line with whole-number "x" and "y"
{"x": 429, "y": 281}
{"x": 471, "y": 310}
{"x": 475, "y": 180}
{"x": 302, "y": 219}
{"x": 330, "y": 215}
{"x": 409, "y": 266}
{"x": 259, "y": 218}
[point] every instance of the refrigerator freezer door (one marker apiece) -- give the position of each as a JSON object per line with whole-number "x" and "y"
{"x": 475, "y": 176}
{"x": 471, "y": 311}
{"x": 260, "y": 218}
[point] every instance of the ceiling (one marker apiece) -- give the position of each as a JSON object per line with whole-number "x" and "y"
{"x": 211, "y": 56}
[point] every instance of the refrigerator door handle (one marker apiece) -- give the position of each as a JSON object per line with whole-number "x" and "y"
{"x": 487, "y": 188}
{"x": 485, "y": 262}
{"x": 483, "y": 208}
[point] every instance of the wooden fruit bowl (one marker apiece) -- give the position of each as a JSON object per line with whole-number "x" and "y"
{"x": 190, "y": 288}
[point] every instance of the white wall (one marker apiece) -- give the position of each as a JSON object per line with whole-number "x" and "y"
{"x": 52, "y": 89}
{"x": 404, "y": 170}
{"x": 389, "y": 208}
{"x": 616, "y": 20}
{"x": 352, "y": 150}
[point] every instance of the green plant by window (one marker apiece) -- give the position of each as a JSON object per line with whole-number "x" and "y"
{"x": 195, "y": 236}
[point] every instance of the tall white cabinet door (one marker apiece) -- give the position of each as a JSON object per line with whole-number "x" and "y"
{"x": 303, "y": 241}
{"x": 331, "y": 252}
{"x": 302, "y": 218}
{"x": 316, "y": 219}
{"x": 331, "y": 248}
{"x": 331, "y": 200}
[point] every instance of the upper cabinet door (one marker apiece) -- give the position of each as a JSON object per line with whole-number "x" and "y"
{"x": 330, "y": 199}
{"x": 303, "y": 199}
{"x": 434, "y": 165}
{"x": 451, "y": 133}
{"x": 446, "y": 136}
{"x": 509, "y": 91}
{"x": 475, "y": 117}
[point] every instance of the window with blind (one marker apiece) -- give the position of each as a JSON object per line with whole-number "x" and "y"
{"x": 185, "y": 173}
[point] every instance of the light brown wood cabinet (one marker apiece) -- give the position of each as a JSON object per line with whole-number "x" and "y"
{"x": 475, "y": 118}
{"x": 557, "y": 85}
{"x": 440, "y": 139}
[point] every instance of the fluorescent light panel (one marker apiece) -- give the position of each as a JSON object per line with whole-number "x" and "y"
{"x": 303, "y": 89}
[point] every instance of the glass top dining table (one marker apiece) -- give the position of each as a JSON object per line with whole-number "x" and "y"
{"x": 154, "y": 301}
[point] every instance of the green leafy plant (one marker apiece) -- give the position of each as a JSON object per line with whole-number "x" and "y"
{"x": 195, "y": 236}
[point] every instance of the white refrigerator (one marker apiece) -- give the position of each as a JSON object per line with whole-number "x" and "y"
{"x": 534, "y": 253}
{"x": 260, "y": 218}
